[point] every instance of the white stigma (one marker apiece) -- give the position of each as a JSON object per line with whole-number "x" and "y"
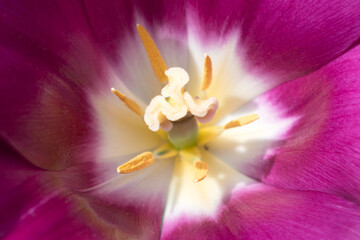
{"x": 175, "y": 103}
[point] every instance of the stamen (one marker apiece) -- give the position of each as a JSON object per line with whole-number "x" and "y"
{"x": 242, "y": 121}
{"x": 192, "y": 154}
{"x": 153, "y": 53}
{"x": 207, "y": 74}
{"x": 139, "y": 162}
{"x": 132, "y": 105}
{"x": 201, "y": 170}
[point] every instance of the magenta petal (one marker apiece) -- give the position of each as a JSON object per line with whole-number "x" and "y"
{"x": 113, "y": 21}
{"x": 47, "y": 117}
{"x": 262, "y": 212}
{"x": 35, "y": 206}
{"x": 49, "y": 60}
{"x": 321, "y": 151}
{"x": 283, "y": 39}
{"x": 42, "y": 204}
{"x": 133, "y": 203}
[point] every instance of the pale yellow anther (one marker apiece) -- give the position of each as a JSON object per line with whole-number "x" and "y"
{"x": 201, "y": 170}
{"x": 207, "y": 74}
{"x": 139, "y": 162}
{"x": 193, "y": 155}
{"x": 153, "y": 53}
{"x": 242, "y": 121}
{"x": 132, "y": 105}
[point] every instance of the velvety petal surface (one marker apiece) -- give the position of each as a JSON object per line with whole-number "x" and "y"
{"x": 37, "y": 206}
{"x": 79, "y": 202}
{"x": 280, "y": 40}
{"x": 48, "y": 58}
{"x": 321, "y": 151}
{"x": 263, "y": 212}
{"x": 307, "y": 135}
{"x": 284, "y": 39}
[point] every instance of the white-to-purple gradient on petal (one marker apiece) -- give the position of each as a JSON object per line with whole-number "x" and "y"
{"x": 264, "y": 212}
{"x": 321, "y": 151}
{"x": 62, "y": 141}
{"x": 316, "y": 154}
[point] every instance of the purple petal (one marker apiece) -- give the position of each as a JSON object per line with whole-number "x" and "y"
{"x": 77, "y": 203}
{"x": 36, "y": 206}
{"x": 49, "y": 59}
{"x": 134, "y": 203}
{"x": 45, "y": 115}
{"x": 280, "y": 40}
{"x": 262, "y": 212}
{"x": 307, "y": 137}
{"x": 321, "y": 151}
{"x": 112, "y": 21}
{"x": 284, "y": 39}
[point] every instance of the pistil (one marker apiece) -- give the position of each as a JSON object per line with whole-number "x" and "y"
{"x": 184, "y": 133}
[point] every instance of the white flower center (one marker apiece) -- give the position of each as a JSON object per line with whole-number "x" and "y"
{"x": 178, "y": 113}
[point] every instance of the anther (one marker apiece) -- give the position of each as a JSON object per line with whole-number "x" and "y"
{"x": 153, "y": 53}
{"x": 242, "y": 121}
{"x": 139, "y": 162}
{"x": 132, "y": 105}
{"x": 201, "y": 170}
{"x": 207, "y": 74}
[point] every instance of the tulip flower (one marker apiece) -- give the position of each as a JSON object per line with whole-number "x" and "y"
{"x": 180, "y": 119}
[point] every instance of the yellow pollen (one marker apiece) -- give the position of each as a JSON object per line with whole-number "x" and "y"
{"x": 137, "y": 163}
{"x": 207, "y": 73}
{"x": 193, "y": 155}
{"x": 153, "y": 53}
{"x": 242, "y": 121}
{"x": 201, "y": 170}
{"x": 132, "y": 105}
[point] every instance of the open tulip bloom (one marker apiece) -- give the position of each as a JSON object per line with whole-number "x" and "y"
{"x": 180, "y": 119}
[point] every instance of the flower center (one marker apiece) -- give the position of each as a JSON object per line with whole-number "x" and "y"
{"x": 174, "y": 115}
